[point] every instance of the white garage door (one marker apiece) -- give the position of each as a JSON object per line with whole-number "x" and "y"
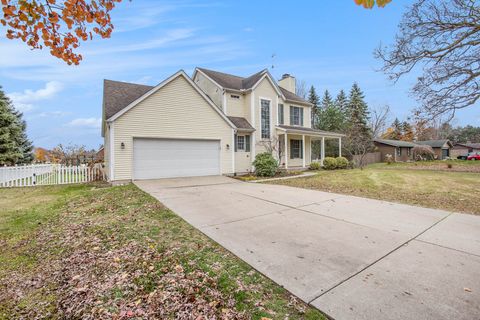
{"x": 168, "y": 158}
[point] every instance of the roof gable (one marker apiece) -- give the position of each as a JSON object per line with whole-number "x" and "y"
{"x": 435, "y": 143}
{"x": 180, "y": 73}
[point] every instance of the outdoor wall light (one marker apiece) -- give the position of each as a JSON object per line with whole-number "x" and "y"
{"x": 228, "y": 146}
{"x": 122, "y": 145}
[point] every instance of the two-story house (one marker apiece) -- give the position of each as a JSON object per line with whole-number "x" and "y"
{"x": 212, "y": 123}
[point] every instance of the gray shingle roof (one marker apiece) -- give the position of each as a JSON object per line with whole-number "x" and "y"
{"x": 396, "y": 143}
{"x": 230, "y": 81}
{"x": 241, "y": 123}
{"x": 469, "y": 145}
{"x": 117, "y": 95}
{"x": 433, "y": 143}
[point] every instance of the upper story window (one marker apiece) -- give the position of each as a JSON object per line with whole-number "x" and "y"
{"x": 296, "y": 116}
{"x": 234, "y": 96}
{"x": 281, "y": 118}
{"x": 265, "y": 118}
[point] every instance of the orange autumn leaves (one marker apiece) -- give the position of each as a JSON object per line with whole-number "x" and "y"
{"x": 57, "y": 25}
{"x": 370, "y": 3}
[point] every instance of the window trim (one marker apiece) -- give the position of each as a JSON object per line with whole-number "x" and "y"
{"x": 292, "y": 148}
{"x": 269, "y": 123}
{"x": 239, "y": 148}
{"x": 300, "y": 116}
{"x": 281, "y": 113}
{"x": 399, "y": 151}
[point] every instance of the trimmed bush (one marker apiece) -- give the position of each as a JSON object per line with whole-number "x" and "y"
{"x": 315, "y": 165}
{"x": 329, "y": 163}
{"x": 265, "y": 165}
{"x": 342, "y": 163}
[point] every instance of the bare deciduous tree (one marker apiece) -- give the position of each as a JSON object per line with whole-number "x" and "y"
{"x": 273, "y": 147}
{"x": 301, "y": 89}
{"x": 379, "y": 117}
{"x": 442, "y": 38}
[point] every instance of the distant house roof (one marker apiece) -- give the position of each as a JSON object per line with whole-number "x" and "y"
{"x": 241, "y": 123}
{"x": 468, "y": 145}
{"x": 435, "y": 143}
{"x": 233, "y": 82}
{"x": 396, "y": 143}
{"x": 118, "y": 95}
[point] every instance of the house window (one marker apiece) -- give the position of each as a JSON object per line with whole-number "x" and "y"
{"x": 241, "y": 143}
{"x": 280, "y": 114}
{"x": 296, "y": 149}
{"x": 296, "y": 116}
{"x": 399, "y": 152}
{"x": 265, "y": 118}
{"x": 234, "y": 96}
{"x": 409, "y": 150}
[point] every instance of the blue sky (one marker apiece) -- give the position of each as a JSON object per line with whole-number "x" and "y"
{"x": 327, "y": 44}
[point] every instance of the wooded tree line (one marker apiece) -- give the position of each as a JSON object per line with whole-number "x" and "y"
{"x": 15, "y": 147}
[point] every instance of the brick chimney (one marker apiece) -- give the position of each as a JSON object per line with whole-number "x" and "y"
{"x": 288, "y": 83}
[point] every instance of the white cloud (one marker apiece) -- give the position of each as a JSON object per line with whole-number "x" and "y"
{"x": 248, "y": 29}
{"x": 27, "y": 96}
{"x": 95, "y": 123}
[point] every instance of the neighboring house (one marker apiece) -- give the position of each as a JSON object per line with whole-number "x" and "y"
{"x": 462, "y": 149}
{"x": 212, "y": 123}
{"x": 440, "y": 147}
{"x": 399, "y": 150}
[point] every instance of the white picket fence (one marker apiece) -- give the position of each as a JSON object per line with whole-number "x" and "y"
{"x": 48, "y": 174}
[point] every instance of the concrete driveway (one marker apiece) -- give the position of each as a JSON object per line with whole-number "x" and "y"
{"x": 352, "y": 258}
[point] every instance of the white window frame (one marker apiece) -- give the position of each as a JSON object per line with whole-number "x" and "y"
{"x": 243, "y": 141}
{"x": 281, "y": 115}
{"x": 292, "y": 121}
{"x": 269, "y": 120}
{"x": 300, "y": 148}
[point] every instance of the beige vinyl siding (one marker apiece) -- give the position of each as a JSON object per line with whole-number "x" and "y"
{"x": 242, "y": 162}
{"x": 211, "y": 89}
{"x": 264, "y": 90}
{"x": 178, "y": 111}
{"x": 237, "y": 107}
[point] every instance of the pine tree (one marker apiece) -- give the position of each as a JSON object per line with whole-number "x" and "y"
{"x": 327, "y": 100}
{"x": 341, "y": 102}
{"x": 357, "y": 111}
{"x": 314, "y": 99}
{"x": 407, "y": 131}
{"x": 15, "y": 148}
{"x": 358, "y": 140}
{"x": 26, "y": 146}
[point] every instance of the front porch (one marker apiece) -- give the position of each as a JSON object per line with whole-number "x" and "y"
{"x": 299, "y": 146}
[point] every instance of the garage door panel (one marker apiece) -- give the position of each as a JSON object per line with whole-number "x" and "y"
{"x": 166, "y": 158}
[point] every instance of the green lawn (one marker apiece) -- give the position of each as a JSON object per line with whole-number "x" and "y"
{"x": 91, "y": 251}
{"x": 430, "y": 184}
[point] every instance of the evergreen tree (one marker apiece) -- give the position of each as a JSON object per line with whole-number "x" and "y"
{"x": 341, "y": 102}
{"x": 407, "y": 131}
{"x": 314, "y": 99}
{"x": 357, "y": 111}
{"x": 327, "y": 100}
{"x": 15, "y": 147}
{"x": 358, "y": 140}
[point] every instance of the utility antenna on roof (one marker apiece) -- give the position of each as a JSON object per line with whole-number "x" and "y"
{"x": 273, "y": 58}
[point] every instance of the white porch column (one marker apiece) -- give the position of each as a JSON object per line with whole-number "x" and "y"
{"x": 322, "y": 152}
{"x": 303, "y": 150}
{"x": 285, "y": 152}
{"x": 340, "y": 146}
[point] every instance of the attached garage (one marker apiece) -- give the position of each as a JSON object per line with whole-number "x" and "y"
{"x": 168, "y": 158}
{"x": 170, "y": 130}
